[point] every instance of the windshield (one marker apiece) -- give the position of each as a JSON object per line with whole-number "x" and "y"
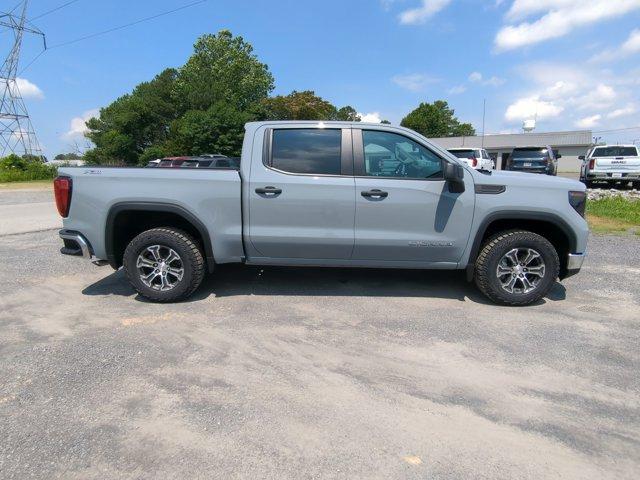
{"x": 615, "y": 152}
{"x": 529, "y": 153}
{"x": 463, "y": 153}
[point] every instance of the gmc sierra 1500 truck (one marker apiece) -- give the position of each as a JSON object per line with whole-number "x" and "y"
{"x": 332, "y": 194}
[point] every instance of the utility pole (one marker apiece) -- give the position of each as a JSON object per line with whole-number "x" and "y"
{"x": 16, "y": 131}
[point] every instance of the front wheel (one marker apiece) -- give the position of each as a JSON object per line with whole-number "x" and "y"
{"x": 164, "y": 264}
{"x": 516, "y": 267}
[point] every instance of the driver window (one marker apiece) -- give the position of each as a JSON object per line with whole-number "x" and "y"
{"x": 388, "y": 154}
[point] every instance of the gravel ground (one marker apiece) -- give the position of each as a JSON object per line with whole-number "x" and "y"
{"x": 311, "y": 373}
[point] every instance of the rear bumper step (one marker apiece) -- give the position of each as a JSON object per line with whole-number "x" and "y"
{"x": 75, "y": 245}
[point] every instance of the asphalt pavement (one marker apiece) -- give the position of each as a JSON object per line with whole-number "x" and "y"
{"x": 294, "y": 373}
{"x": 28, "y": 210}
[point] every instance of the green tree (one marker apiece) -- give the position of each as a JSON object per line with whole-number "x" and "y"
{"x": 305, "y": 105}
{"x": 134, "y": 122}
{"x": 348, "y": 114}
{"x": 220, "y": 129}
{"x": 68, "y": 156}
{"x": 222, "y": 68}
{"x": 436, "y": 120}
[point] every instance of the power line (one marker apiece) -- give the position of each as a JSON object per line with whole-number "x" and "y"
{"x": 86, "y": 37}
{"x": 53, "y": 10}
{"x": 617, "y": 130}
{"x": 136, "y": 22}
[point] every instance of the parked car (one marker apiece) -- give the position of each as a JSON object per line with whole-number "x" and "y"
{"x": 477, "y": 158}
{"x": 314, "y": 194}
{"x": 611, "y": 165}
{"x": 534, "y": 160}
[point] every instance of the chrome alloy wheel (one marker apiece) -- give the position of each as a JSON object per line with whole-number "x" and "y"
{"x": 520, "y": 270}
{"x": 160, "y": 267}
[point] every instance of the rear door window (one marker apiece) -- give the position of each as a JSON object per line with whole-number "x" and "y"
{"x": 307, "y": 150}
{"x": 530, "y": 153}
{"x": 615, "y": 152}
{"x": 463, "y": 153}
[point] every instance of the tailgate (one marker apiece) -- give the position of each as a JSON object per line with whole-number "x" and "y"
{"x": 617, "y": 163}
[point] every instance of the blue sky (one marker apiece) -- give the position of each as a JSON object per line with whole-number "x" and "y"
{"x": 571, "y": 63}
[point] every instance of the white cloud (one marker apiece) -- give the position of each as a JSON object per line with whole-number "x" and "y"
{"x": 475, "y": 77}
{"x": 622, "y": 112}
{"x": 494, "y": 81}
{"x": 372, "y": 117}
{"x": 598, "y": 98}
{"x": 630, "y": 47}
{"x": 530, "y": 107}
{"x": 78, "y": 127}
{"x": 26, "y": 89}
{"x": 458, "y": 89}
{"x": 575, "y": 94}
{"x": 420, "y": 14}
{"x": 589, "y": 122}
{"x": 414, "y": 82}
{"x": 558, "y": 18}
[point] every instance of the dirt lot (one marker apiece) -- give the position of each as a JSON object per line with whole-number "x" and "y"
{"x": 310, "y": 373}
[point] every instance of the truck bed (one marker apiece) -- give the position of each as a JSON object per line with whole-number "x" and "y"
{"x": 213, "y": 196}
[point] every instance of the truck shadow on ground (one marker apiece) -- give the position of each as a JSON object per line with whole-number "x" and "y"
{"x": 235, "y": 280}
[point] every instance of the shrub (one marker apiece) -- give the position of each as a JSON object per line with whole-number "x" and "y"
{"x": 16, "y": 169}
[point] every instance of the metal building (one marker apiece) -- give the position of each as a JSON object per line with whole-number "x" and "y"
{"x": 568, "y": 144}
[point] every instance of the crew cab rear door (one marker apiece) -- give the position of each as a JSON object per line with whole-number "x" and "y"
{"x": 301, "y": 194}
{"x": 405, "y": 211}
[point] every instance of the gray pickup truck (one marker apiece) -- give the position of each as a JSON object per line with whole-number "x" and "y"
{"x": 331, "y": 194}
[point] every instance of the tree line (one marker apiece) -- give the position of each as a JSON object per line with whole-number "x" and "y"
{"x": 202, "y": 107}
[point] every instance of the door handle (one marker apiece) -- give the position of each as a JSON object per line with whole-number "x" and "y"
{"x": 375, "y": 193}
{"x": 269, "y": 191}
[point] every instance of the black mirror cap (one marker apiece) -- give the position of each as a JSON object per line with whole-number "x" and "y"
{"x": 454, "y": 175}
{"x": 581, "y": 157}
{"x": 453, "y": 172}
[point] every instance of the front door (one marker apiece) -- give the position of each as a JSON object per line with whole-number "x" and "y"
{"x": 404, "y": 209}
{"x": 301, "y": 198}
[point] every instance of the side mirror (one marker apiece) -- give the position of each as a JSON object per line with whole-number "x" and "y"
{"x": 558, "y": 156}
{"x": 581, "y": 157}
{"x": 454, "y": 175}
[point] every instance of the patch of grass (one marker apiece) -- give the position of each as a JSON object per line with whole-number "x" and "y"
{"x": 608, "y": 225}
{"x": 617, "y": 208}
{"x": 614, "y": 215}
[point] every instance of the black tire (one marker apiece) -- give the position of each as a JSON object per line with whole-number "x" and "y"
{"x": 190, "y": 262}
{"x": 495, "y": 250}
{"x": 635, "y": 185}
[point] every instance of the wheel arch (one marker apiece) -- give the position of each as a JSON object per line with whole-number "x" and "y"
{"x": 548, "y": 225}
{"x": 125, "y": 220}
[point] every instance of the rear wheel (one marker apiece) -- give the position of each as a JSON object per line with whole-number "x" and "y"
{"x": 516, "y": 267}
{"x": 164, "y": 264}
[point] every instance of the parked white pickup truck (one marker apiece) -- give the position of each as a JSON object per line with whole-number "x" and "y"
{"x": 611, "y": 164}
{"x": 332, "y": 194}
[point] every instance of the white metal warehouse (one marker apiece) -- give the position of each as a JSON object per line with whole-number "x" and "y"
{"x": 568, "y": 144}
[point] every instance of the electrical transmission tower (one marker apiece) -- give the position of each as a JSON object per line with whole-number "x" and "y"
{"x": 16, "y": 131}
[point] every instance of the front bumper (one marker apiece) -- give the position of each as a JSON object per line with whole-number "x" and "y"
{"x": 574, "y": 263}
{"x": 75, "y": 244}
